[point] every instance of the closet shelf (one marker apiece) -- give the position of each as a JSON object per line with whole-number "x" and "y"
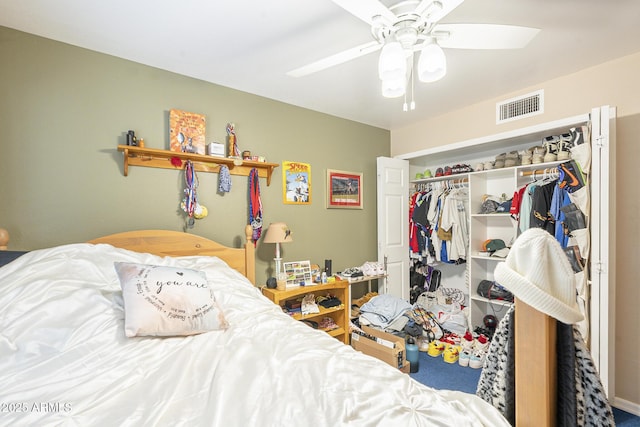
{"x": 155, "y": 158}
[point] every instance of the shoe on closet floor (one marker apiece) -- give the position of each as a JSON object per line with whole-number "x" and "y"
{"x": 466, "y": 347}
{"x": 436, "y": 348}
{"x": 480, "y": 347}
{"x": 451, "y": 353}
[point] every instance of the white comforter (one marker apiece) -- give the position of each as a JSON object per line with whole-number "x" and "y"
{"x": 65, "y": 360}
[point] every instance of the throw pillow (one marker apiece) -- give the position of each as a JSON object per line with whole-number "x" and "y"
{"x": 167, "y": 301}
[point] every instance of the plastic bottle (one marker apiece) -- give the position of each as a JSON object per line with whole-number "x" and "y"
{"x": 412, "y": 354}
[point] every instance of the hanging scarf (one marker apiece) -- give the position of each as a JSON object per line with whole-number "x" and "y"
{"x": 224, "y": 179}
{"x": 255, "y": 205}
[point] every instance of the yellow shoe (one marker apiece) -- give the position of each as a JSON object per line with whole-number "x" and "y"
{"x": 435, "y": 348}
{"x": 451, "y": 353}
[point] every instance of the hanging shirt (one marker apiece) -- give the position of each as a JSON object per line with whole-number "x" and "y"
{"x": 525, "y": 207}
{"x": 540, "y": 207}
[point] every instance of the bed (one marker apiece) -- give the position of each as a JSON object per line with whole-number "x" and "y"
{"x": 66, "y": 359}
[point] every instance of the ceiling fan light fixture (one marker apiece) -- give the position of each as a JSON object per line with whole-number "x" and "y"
{"x": 432, "y": 65}
{"x": 392, "y": 64}
{"x": 393, "y": 88}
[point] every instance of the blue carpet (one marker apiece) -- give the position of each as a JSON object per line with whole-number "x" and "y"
{"x": 436, "y": 373}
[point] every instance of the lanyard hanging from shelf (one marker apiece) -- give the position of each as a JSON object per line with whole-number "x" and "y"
{"x": 255, "y": 205}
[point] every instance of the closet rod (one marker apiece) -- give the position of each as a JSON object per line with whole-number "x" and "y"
{"x": 441, "y": 179}
{"x": 539, "y": 172}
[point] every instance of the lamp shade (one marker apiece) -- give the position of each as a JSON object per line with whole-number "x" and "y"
{"x": 432, "y": 65}
{"x": 392, "y": 63}
{"x": 278, "y": 232}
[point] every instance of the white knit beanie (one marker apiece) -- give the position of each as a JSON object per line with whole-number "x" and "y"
{"x": 538, "y": 272}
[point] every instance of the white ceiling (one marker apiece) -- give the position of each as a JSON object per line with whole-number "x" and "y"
{"x": 250, "y": 45}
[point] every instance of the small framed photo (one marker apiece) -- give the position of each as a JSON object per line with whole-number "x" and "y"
{"x": 344, "y": 189}
{"x": 298, "y": 273}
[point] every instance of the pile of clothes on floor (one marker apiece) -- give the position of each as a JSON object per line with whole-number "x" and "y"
{"x": 437, "y": 320}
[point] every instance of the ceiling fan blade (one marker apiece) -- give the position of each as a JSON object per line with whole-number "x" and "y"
{"x": 437, "y": 12}
{"x": 483, "y": 36}
{"x": 338, "y": 58}
{"x": 366, "y": 9}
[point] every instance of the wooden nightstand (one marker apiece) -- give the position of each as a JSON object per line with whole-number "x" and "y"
{"x": 339, "y": 314}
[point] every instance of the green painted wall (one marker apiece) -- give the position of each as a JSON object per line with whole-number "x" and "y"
{"x": 63, "y": 111}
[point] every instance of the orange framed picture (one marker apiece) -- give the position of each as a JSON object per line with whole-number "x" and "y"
{"x": 187, "y": 132}
{"x": 344, "y": 190}
{"x": 296, "y": 183}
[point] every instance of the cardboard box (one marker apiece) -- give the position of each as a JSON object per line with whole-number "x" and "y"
{"x": 382, "y": 345}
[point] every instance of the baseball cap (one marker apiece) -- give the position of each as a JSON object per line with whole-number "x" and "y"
{"x": 492, "y": 245}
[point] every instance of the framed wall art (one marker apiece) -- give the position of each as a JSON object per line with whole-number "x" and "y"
{"x": 344, "y": 189}
{"x": 296, "y": 183}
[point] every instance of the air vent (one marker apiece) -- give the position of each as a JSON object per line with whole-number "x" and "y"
{"x": 523, "y": 106}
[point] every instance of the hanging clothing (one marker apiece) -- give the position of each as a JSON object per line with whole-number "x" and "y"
{"x": 581, "y": 397}
{"x": 541, "y": 206}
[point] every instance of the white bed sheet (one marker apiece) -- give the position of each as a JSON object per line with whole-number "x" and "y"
{"x": 65, "y": 360}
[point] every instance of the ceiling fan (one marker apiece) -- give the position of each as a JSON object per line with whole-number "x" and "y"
{"x": 411, "y": 26}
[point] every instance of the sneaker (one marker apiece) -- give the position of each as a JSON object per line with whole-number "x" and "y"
{"x": 369, "y": 268}
{"x": 448, "y": 171}
{"x": 466, "y": 347}
{"x": 439, "y": 172}
{"x": 578, "y": 135}
{"x": 480, "y": 167}
{"x": 423, "y": 343}
{"x": 564, "y": 147}
{"x": 488, "y": 165}
{"x": 450, "y": 338}
{"x": 571, "y": 177}
{"x": 436, "y": 348}
{"x": 451, "y": 353}
{"x": 427, "y": 173}
{"x": 499, "y": 164}
{"x": 476, "y": 360}
{"x": 551, "y": 148}
{"x": 480, "y": 347}
{"x": 419, "y": 176}
{"x": 526, "y": 157}
{"x": 537, "y": 154}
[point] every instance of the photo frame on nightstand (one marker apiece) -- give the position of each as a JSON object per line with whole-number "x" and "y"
{"x": 298, "y": 273}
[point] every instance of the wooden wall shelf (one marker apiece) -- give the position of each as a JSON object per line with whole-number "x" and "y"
{"x": 155, "y": 158}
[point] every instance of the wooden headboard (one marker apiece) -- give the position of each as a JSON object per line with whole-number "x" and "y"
{"x": 176, "y": 243}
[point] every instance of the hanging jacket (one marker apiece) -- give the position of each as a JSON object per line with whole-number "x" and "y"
{"x": 581, "y": 397}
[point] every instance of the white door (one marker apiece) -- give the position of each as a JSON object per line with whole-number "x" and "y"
{"x": 393, "y": 224}
{"x": 602, "y": 333}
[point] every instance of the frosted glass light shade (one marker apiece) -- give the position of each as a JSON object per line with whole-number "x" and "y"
{"x": 432, "y": 65}
{"x": 393, "y": 88}
{"x": 392, "y": 63}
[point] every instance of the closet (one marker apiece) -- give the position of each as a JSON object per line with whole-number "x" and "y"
{"x": 397, "y": 184}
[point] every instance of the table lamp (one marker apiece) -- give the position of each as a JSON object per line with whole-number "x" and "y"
{"x": 278, "y": 232}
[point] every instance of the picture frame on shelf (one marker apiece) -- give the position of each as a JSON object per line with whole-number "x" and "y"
{"x": 298, "y": 273}
{"x": 187, "y": 132}
{"x": 296, "y": 183}
{"x": 344, "y": 190}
